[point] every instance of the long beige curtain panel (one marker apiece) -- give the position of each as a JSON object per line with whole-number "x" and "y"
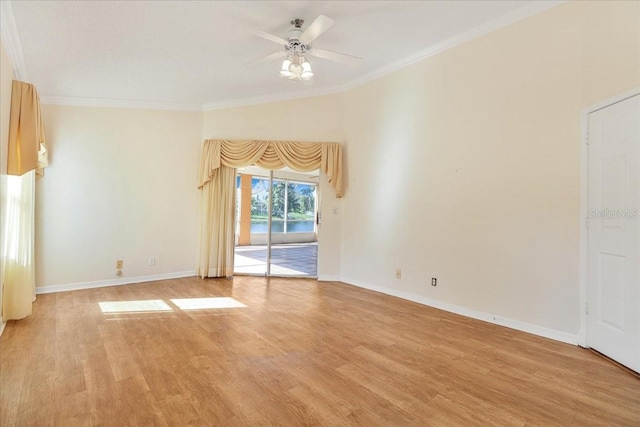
{"x": 216, "y": 228}
{"x": 27, "y": 149}
{"x": 218, "y": 164}
{"x": 26, "y": 157}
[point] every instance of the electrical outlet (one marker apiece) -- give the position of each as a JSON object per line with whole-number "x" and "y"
{"x": 434, "y": 281}
{"x": 119, "y": 264}
{"x": 398, "y": 273}
{"x": 151, "y": 261}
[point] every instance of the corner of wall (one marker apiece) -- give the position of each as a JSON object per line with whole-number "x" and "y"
{"x": 6, "y": 77}
{"x": 473, "y": 314}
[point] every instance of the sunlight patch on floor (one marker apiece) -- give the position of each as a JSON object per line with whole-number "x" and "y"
{"x": 207, "y": 303}
{"x": 133, "y": 306}
{"x": 156, "y": 305}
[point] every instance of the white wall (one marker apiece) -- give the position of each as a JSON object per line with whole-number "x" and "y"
{"x": 6, "y": 77}
{"x": 316, "y": 119}
{"x": 466, "y": 166}
{"x": 121, "y": 185}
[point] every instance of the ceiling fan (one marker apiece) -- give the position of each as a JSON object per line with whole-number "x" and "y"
{"x": 297, "y": 47}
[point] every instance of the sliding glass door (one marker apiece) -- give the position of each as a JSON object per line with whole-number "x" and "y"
{"x": 252, "y": 220}
{"x": 276, "y": 231}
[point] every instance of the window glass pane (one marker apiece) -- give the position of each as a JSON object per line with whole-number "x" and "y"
{"x": 302, "y": 208}
{"x": 259, "y": 205}
{"x": 278, "y": 207}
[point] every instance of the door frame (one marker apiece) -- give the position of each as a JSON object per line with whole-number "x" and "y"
{"x": 584, "y": 203}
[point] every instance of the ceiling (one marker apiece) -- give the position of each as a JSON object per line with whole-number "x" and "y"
{"x": 191, "y": 54}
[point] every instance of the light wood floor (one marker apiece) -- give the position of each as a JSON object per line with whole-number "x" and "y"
{"x": 300, "y": 353}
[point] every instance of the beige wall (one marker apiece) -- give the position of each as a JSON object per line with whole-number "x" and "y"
{"x": 466, "y": 166}
{"x": 121, "y": 185}
{"x": 6, "y": 77}
{"x": 317, "y": 119}
{"x": 610, "y": 51}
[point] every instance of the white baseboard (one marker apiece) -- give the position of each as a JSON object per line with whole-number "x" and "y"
{"x": 327, "y": 278}
{"x": 452, "y": 308}
{"x": 112, "y": 282}
{"x": 2, "y": 326}
{"x": 582, "y": 338}
{"x": 474, "y": 314}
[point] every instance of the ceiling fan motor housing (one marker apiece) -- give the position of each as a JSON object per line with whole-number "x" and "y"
{"x": 295, "y": 47}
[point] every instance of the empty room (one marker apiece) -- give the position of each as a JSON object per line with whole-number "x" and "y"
{"x": 328, "y": 213}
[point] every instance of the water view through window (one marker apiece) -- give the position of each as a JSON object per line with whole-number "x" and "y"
{"x": 294, "y": 206}
{"x": 277, "y": 226}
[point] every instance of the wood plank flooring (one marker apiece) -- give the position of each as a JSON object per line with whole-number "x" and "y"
{"x": 300, "y": 353}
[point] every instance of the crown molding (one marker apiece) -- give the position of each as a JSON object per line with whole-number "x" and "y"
{"x": 490, "y": 26}
{"x": 474, "y": 33}
{"x": 278, "y": 97}
{"x": 11, "y": 40}
{"x": 109, "y": 103}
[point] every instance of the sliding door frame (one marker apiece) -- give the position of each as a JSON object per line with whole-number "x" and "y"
{"x": 269, "y": 221}
{"x": 269, "y": 232}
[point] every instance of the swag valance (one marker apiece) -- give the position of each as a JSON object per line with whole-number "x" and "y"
{"x": 300, "y": 156}
{"x": 26, "y": 148}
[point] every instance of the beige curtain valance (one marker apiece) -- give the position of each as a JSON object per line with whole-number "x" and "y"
{"x": 300, "y": 156}
{"x": 26, "y": 148}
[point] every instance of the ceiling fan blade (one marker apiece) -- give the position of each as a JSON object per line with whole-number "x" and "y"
{"x": 335, "y": 56}
{"x": 275, "y": 55}
{"x": 315, "y": 30}
{"x": 267, "y": 36}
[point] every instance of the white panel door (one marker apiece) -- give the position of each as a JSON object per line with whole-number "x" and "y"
{"x": 613, "y": 275}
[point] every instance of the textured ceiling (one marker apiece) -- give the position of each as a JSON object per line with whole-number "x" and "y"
{"x": 192, "y": 52}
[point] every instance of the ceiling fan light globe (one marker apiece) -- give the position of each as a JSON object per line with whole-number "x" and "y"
{"x": 306, "y": 74}
{"x": 295, "y": 69}
{"x": 284, "y": 71}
